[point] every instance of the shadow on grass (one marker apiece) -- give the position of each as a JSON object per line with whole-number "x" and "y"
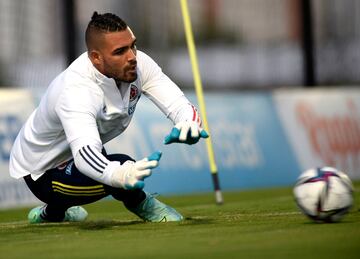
{"x": 105, "y": 224}
{"x": 197, "y": 221}
{"x": 86, "y": 225}
{"x": 324, "y": 223}
{"x": 95, "y": 225}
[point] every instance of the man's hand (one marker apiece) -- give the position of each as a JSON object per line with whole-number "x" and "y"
{"x": 187, "y": 132}
{"x": 131, "y": 174}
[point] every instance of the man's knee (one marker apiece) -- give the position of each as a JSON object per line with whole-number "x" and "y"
{"x": 130, "y": 198}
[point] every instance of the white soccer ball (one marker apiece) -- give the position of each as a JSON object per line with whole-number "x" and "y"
{"x": 324, "y": 194}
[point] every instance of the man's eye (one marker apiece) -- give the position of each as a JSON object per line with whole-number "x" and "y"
{"x": 119, "y": 51}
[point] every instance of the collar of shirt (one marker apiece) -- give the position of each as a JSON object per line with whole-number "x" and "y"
{"x": 115, "y": 103}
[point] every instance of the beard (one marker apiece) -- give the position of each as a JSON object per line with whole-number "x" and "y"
{"x": 128, "y": 74}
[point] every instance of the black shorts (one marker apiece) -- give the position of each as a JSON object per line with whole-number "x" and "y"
{"x": 66, "y": 186}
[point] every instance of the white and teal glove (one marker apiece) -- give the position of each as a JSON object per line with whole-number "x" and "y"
{"x": 188, "y": 132}
{"x": 130, "y": 175}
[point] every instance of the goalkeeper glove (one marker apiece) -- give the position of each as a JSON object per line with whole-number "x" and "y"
{"x": 187, "y": 132}
{"x": 130, "y": 175}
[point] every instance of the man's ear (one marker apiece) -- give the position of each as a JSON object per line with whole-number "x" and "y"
{"x": 95, "y": 57}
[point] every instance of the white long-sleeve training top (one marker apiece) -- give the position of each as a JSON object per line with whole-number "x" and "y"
{"x": 83, "y": 109}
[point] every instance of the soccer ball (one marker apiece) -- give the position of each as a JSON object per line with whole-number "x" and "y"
{"x": 324, "y": 194}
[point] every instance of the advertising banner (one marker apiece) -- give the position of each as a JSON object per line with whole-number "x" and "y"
{"x": 323, "y": 127}
{"x": 15, "y": 107}
{"x": 251, "y": 149}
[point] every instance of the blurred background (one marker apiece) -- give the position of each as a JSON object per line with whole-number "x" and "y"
{"x": 280, "y": 79}
{"x": 241, "y": 43}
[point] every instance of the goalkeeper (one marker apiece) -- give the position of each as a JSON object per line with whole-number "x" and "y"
{"x": 59, "y": 151}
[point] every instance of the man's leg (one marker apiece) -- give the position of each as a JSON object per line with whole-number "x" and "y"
{"x": 143, "y": 204}
{"x": 61, "y": 188}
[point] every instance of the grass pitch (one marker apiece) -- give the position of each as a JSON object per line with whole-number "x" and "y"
{"x": 251, "y": 224}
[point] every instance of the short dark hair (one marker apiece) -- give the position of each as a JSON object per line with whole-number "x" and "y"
{"x": 106, "y": 22}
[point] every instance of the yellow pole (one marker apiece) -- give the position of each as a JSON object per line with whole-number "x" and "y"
{"x": 200, "y": 96}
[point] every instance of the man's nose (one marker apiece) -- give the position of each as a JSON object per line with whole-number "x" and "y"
{"x": 131, "y": 55}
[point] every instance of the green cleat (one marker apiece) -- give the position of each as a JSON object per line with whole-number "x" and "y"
{"x": 153, "y": 210}
{"x": 34, "y": 215}
{"x": 72, "y": 214}
{"x": 75, "y": 214}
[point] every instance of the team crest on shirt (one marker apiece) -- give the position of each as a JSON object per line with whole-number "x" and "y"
{"x": 134, "y": 92}
{"x": 133, "y": 98}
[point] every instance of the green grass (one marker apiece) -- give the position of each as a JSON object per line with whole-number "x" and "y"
{"x": 251, "y": 224}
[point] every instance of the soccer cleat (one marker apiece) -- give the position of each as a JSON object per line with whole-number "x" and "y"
{"x": 72, "y": 214}
{"x": 75, "y": 214}
{"x": 153, "y": 210}
{"x": 34, "y": 215}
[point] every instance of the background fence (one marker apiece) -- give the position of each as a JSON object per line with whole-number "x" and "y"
{"x": 241, "y": 43}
